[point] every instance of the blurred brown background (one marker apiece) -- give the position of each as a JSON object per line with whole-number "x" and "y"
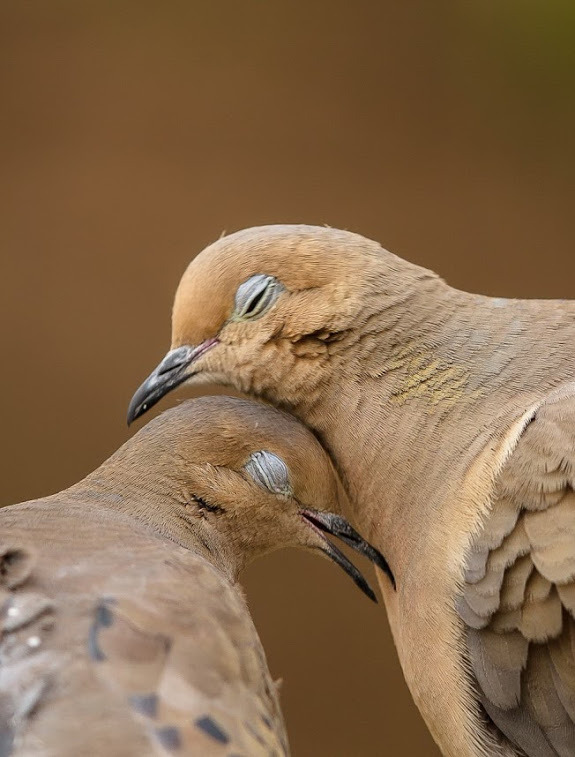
{"x": 133, "y": 133}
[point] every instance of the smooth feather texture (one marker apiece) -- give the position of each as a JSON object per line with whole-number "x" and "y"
{"x": 423, "y": 395}
{"x": 120, "y": 641}
{"x": 122, "y": 629}
{"x": 521, "y": 653}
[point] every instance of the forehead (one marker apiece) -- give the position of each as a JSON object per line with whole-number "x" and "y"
{"x": 301, "y": 257}
{"x": 311, "y": 472}
{"x": 251, "y": 426}
{"x": 227, "y": 431}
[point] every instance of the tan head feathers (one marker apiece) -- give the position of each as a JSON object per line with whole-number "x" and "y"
{"x": 431, "y": 401}
{"x": 253, "y": 303}
{"x": 255, "y": 476}
{"x": 301, "y": 257}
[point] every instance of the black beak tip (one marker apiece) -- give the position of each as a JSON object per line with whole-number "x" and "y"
{"x": 352, "y": 572}
{"x": 138, "y": 406}
{"x": 370, "y": 593}
{"x": 338, "y": 526}
{"x": 168, "y": 375}
{"x": 135, "y": 410}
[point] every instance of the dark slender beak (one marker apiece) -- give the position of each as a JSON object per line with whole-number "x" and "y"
{"x": 174, "y": 369}
{"x": 339, "y": 527}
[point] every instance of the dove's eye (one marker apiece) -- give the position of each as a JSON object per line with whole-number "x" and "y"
{"x": 255, "y": 296}
{"x": 270, "y": 471}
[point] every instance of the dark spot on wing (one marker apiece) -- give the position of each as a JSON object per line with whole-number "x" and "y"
{"x": 267, "y": 721}
{"x": 145, "y": 704}
{"x": 94, "y": 650}
{"x": 104, "y": 614}
{"x": 209, "y": 726}
{"x": 103, "y": 619}
{"x": 169, "y": 737}
{"x": 16, "y": 564}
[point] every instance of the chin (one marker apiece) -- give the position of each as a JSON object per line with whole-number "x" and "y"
{"x": 208, "y": 377}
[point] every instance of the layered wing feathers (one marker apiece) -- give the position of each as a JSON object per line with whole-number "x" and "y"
{"x": 518, "y": 602}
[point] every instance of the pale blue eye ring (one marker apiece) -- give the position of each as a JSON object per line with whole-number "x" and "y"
{"x": 255, "y": 295}
{"x": 270, "y": 471}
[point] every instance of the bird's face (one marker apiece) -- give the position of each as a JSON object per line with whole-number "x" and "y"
{"x": 263, "y": 482}
{"x": 256, "y": 306}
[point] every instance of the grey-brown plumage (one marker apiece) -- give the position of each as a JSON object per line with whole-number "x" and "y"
{"x": 519, "y": 594}
{"x": 123, "y": 632}
{"x": 451, "y": 418}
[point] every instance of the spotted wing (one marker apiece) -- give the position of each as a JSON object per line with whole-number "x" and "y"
{"x": 27, "y": 665}
{"x": 191, "y": 669}
{"x": 165, "y": 661}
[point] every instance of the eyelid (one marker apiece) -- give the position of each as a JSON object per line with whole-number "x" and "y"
{"x": 266, "y": 287}
{"x": 270, "y": 471}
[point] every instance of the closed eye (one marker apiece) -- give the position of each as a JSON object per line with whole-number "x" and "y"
{"x": 256, "y": 304}
{"x": 270, "y": 471}
{"x": 255, "y": 296}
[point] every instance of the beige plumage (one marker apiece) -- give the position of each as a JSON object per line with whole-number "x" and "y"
{"x": 122, "y": 630}
{"x": 451, "y": 418}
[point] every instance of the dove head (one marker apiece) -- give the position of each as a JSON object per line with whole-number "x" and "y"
{"x": 250, "y": 479}
{"x": 259, "y": 304}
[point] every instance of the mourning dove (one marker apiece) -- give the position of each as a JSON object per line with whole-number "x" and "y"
{"x": 122, "y": 632}
{"x": 451, "y": 418}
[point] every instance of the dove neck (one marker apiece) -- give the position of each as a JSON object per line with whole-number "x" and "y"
{"x": 148, "y": 489}
{"x": 428, "y": 350}
{"x": 407, "y": 406}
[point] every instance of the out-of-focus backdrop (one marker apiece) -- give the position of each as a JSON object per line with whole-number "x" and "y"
{"x": 134, "y": 133}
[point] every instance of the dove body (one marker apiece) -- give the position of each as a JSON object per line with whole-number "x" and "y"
{"x": 444, "y": 412}
{"x": 123, "y": 630}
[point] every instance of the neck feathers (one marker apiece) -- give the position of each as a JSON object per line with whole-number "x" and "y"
{"x": 156, "y": 498}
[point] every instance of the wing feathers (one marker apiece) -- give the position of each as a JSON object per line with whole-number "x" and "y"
{"x": 518, "y": 601}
